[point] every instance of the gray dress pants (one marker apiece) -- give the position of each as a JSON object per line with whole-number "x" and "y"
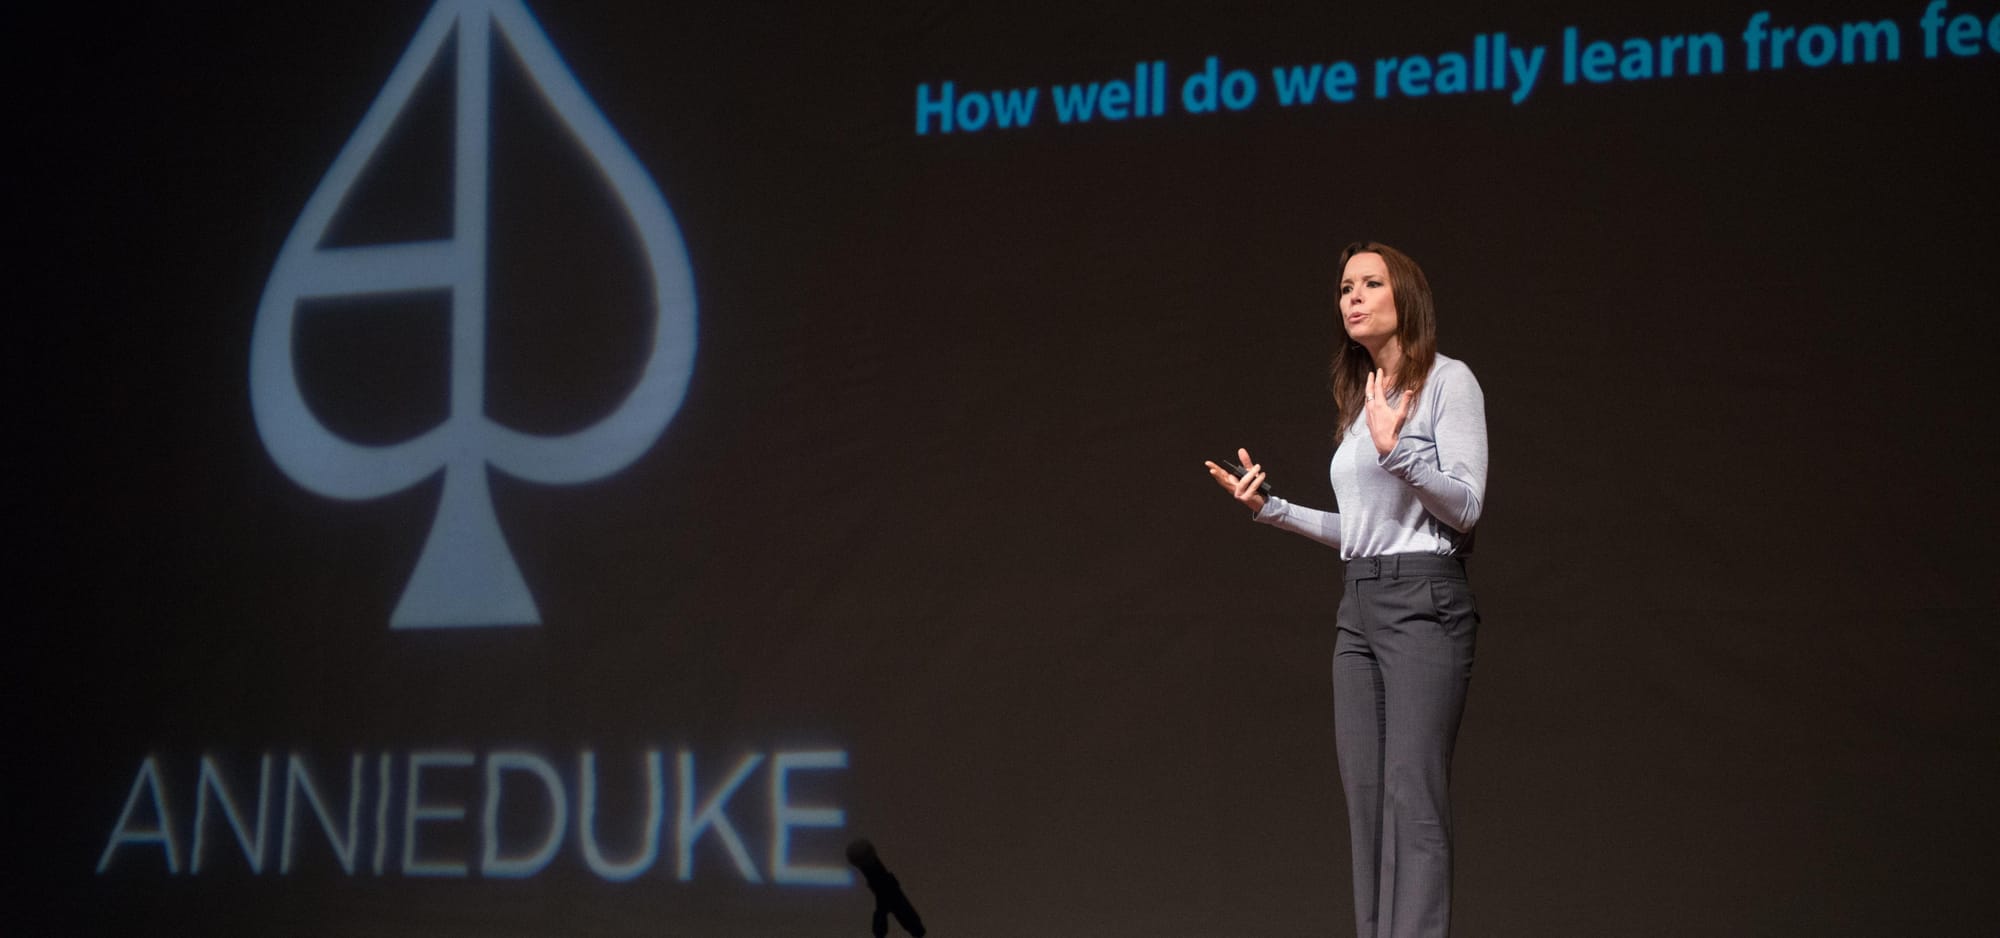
{"x": 1402, "y": 657}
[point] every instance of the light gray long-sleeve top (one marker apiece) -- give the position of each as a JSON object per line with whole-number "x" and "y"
{"x": 1424, "y": 496}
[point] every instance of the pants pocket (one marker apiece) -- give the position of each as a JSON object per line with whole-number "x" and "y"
{"x": 1452, "y": 603}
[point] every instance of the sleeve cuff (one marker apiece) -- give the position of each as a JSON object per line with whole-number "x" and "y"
{"x": 1401, "y": 460}
{"x": 1273, "y": 510}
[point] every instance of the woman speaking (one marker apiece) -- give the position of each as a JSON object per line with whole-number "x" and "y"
{"x": 1409, "y": 475}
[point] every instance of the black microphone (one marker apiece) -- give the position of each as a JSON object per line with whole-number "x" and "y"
{"x": 889, "y": 897}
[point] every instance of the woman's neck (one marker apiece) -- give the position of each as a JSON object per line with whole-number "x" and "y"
{"x": 1389, "y": 358}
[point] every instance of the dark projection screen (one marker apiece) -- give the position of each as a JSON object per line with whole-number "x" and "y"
{"x": 569, "y": 469}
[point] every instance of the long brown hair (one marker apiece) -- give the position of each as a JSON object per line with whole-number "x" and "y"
{"x": 1416, "y": 332}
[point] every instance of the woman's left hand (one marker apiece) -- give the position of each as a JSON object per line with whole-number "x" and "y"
{"x": 1385, "y": 423}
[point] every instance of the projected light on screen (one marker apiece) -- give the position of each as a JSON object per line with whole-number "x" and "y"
{"x": 502, "y": 814}
{"x": 466, "y": 574}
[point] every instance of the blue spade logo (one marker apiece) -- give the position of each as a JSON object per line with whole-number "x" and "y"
{"x": 466, "y": 575}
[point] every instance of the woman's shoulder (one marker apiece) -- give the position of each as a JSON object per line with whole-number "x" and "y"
{"x": 1448, "y": 370}
{"x": 1452, "y": 381}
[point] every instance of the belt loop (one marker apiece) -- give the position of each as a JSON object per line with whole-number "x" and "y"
{"x": 1392, "y": 567}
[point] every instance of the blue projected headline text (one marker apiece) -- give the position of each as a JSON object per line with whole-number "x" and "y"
{"x": 1491, "y": 63}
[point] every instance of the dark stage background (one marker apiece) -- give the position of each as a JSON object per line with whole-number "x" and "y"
{"x": 933, "y": 506}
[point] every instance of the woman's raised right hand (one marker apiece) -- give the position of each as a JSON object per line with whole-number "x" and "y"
{"x": 1245, "y": 489}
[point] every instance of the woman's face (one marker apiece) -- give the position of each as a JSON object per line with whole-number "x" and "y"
{"x": 1367, "y": 307}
